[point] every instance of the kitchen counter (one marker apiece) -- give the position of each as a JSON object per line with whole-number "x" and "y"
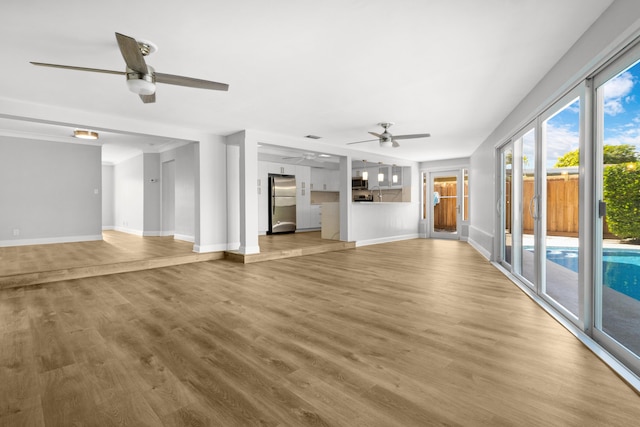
{"x": 330, "y": 221}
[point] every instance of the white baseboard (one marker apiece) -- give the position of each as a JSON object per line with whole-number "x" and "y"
{"x": 50, "y": 240}
{"x": 128, "y": 230}
{"x": 485, "y": 253}
{"x": 152, "y": 233}
{"x": 108, "y": 227}
{"x": 386, "y": 239}
{"x": 210, "y": 248}
{"x": 184, "y": 238}
{"x": 247, "y": 250}
{"x": 233, "y": 246}
{"x": 167, "y": 233}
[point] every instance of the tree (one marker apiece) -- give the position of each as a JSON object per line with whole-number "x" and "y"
{"x": 612, "y": 155}
{"x": 622, "y": 195}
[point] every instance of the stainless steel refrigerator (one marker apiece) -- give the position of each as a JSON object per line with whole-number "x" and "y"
{"x": 282, "y": 204}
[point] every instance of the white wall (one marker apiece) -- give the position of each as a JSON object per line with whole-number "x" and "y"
{"x": 606, "y": 36}
{"x": 129, "y": 191}
{"x": 185, "y": 192}
{"x": 49, "y": 192}
{"x": 108, "y": 197}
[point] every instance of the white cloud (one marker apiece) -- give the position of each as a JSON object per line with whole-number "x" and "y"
{"x": 616, "y": 93}
{"x": 560, "y": 140}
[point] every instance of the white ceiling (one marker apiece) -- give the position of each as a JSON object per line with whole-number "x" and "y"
{"x": 333, "y": 68}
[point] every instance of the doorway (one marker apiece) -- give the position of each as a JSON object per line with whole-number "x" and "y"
{"x": 446, "y": 204}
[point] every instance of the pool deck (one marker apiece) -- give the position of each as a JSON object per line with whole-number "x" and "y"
{"x": 620, "y": 314}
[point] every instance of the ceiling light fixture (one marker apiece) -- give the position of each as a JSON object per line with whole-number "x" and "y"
{"x": 365, "y": 174}
{"x": 85, "y": 134}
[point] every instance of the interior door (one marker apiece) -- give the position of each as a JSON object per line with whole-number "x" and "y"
{"x": 446, "y": 206}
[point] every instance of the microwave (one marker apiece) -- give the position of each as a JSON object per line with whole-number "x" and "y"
{"x": 359, "y": 184}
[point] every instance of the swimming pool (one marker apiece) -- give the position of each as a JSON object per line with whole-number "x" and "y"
{"x": 620, "y": 267}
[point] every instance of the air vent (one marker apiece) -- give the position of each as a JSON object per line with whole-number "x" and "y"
{"x": 313, "y": 136}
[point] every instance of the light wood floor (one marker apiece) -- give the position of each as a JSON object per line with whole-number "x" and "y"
{"x": 420, "y": 332}
{"x": 122, "y": 252}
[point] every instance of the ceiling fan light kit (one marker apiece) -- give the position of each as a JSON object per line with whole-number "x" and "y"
{"x": 141, "y": 84}
{"x": 142, "y": 78}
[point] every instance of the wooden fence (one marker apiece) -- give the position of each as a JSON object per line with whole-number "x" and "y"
{"x": 562, "y": 207}
{"x": 444, "y": 212}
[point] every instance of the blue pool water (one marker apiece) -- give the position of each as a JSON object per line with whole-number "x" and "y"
{"x": 620, "y": 267}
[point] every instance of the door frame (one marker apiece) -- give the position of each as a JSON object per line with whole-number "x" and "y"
{"x": 457, "y": 173}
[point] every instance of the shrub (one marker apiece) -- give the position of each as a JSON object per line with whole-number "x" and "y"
{"x": 622, "y": 195}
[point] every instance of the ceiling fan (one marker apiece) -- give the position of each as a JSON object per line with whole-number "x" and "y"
{"x": 308, "y": 156}
{"x": 142, "y": 78}
{"x": 388, "y": 140}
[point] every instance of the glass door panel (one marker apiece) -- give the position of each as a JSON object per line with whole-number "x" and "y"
{"x": 617, "y": 290}
{"x": 445, "y": 220}
{"x": 560, "y": 222}
{"x": 506, "y": 188}
{"x": 527, "y": 204}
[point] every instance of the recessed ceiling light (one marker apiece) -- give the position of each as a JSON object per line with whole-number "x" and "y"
{"x": 313, "y": 136}
{"x": 324, "y": 155}
{"x": 85, "y": 134}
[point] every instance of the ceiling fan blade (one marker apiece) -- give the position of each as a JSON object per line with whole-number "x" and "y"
{"x": 359, "y": 142}
{"x": 376, "y": 134}
{"x": 415, "y": 135}
{"x": 189, "y": 82}
{"x": 131, "y": 53}
{"x": 148, "y": 99}
{"x": 394, "y": 143}
{"x": 71, "y": 67}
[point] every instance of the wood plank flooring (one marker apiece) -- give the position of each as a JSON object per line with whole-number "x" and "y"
{"x": 117, "y": 253}
{"x": 279, "y": 246}
{"x": 419, "y": 332}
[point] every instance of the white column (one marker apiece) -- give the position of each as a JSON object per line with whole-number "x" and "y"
{"x": 345, "y": 198}
{"x": 233, "y": 196}
{"x": 211, "y": 195}
{"x": 248, "y": 174}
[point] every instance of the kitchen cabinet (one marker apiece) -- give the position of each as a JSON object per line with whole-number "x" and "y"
{"x": 303, "y": 197}
{"x": 330, "y": 221}
{"x": 325, "y": 179}
{"x": 263, "y": 197}
{"x": 373, "y": 177}
{"x": 397, "y": 177}
{"x": 280, "y": 168}
{"x": 315, "y": 217}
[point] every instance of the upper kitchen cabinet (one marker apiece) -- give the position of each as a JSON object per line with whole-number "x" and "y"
{"x": 325, "y": 179}
{"x": 280, "y": 168}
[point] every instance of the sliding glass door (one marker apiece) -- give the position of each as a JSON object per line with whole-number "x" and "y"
{"x": 617, "y": 254}
{"x": 560, "y": 205}
{"x": 518, "y": 205}
{"x": 540, "y": 228}
{"x": 504, "y": 204}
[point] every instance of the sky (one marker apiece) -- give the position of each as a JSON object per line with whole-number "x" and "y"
{"x": 621, "y": 119}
